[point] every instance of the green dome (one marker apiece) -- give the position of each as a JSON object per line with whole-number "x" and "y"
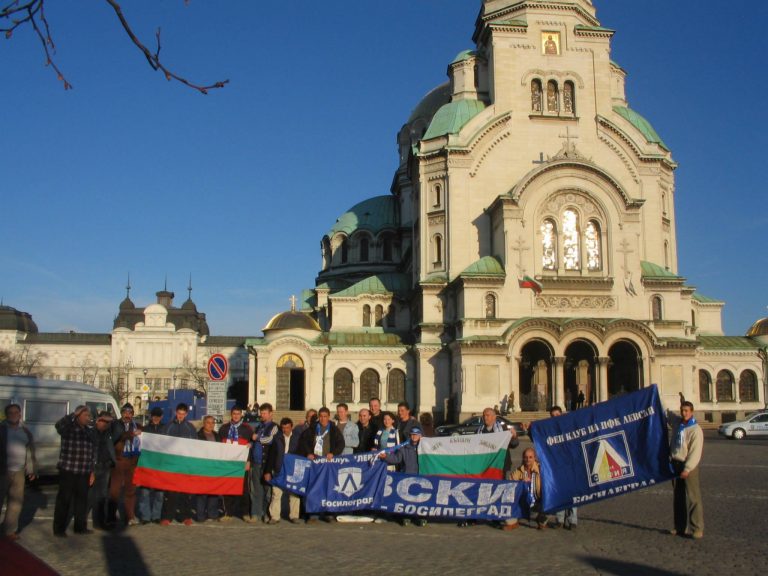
{"x": 431, "y": 103}
{"x": 641, "y": 124}
{"x": 373, "y": 215}
{"x": 452, "y": 117}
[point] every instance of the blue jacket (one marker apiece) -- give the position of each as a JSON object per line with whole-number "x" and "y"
{"x": 406, "y": 459}
{"x": 178, "y": 429}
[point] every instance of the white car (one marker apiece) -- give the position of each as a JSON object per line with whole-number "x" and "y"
{"x": 755, "y": 425}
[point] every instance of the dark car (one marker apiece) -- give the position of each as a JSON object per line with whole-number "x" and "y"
{"x": 471, "y": 424}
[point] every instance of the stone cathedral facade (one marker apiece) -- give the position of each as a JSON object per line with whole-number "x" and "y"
{"x": 525, "y": 254}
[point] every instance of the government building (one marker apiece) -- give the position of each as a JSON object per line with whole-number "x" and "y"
{"x": 525, "y": 255}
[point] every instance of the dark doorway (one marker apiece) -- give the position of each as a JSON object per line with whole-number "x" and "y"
{"x": 580, "y": 380}
{"x": 297, "y": 389}
{"x": 535, "y": 376}
{"x": 625, "y": 369}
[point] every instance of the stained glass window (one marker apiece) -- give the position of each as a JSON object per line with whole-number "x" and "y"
{"x": 571, "y": 257}
{"x": 568, "y": 100}
{"x": 490, "y": 306}
{"x": 549, "y": 245}
{"x": 705, "y": 386}
{"x": 592, "y": 237}
{"x": 748, "y": 386}
{"x": 724, "y": 386}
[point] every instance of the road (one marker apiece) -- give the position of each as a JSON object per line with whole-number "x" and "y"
{"x": 626, "y": 535}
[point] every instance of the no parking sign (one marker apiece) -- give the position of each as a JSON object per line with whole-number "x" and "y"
{"x": 218, "y": 367}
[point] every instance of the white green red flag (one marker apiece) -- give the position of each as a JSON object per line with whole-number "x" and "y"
{"x": 475, "y": 455}
{"x": 532, "y": 283}
{"x": 190, "y": 466}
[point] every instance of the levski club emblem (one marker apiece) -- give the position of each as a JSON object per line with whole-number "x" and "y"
{"x": 607, "y": 458}
{"x": 350, "y": 481}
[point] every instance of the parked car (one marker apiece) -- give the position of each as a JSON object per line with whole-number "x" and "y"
{"x": 470, "y": 426}
{"x": 754, "y": 425}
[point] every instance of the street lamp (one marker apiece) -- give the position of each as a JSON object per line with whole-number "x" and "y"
{"x": 389, "y": 367}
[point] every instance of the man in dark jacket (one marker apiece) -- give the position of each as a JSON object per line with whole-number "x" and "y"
{"x": 77, "y": 457}
{"x": 366, "y": 431}
{"x": 405, "y": 422}
{"x": 98, "y": 496}
{"x": 285, "y": 442}
{"x": 407, "y": 460}
{"x": 125, "y": 434}
{"x": 176, "y": 502}
{"x": 236, "y": 431}
{"x": 17, "y": 463}
{"x": 149, "y": 502}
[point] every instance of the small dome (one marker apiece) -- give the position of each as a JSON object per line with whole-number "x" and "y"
{"x": 374, "y": 215}
{"x": 189, "y": 305}
{"x": 12, "y": 319}
{"x": 759, "y": 328}
{"x": 127, "y": 304}
{"x": 431, "y": 103}
{"x": 292, "y": 321}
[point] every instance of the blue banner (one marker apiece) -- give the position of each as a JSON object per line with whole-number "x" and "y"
{"x": 451, "y": 498}
{"x": 602, "y": 451}
{"x": 352, "y": 483}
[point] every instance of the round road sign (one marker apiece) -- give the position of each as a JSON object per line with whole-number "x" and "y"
{"x": 217, "y": 367}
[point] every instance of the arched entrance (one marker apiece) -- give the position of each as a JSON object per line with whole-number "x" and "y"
{"x": 536, "y": 376}
{"x": 580, "y": 374}
{"x": 625, "y": 368}
{"x": 290, "y": 383}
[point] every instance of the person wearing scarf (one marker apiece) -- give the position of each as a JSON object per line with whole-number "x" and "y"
{"x": 126, "y": 435}
{"x": 236, "y": 431}
{"x": 686, "y": 447}
{"x": 530, "y": 475}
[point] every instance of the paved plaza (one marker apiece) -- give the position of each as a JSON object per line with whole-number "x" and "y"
{"x": 626, "y": 535}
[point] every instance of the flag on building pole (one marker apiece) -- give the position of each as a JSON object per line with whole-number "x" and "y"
{"x": 532, "y": 283}
{"x": 190, "y": 466}
{"x": 476, "y": 455}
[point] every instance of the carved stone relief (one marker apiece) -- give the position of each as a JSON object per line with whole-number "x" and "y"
{"x": 556, "y": 302}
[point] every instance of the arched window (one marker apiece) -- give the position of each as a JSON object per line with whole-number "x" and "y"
{"x": 344, "y": 251}
{"x": 490, "y": 305}
{"x": 396, "y": 386}
{"x": 748, "y": 386}
{"x": 438, "y": 195}
{"x": 549, "y": 245}
{"x": 378, "y": 314}
{"x": 657, "y": 308}
{"x": 705, "y": 386}
{"x": 593, "y": 247}
{"x": 369, "y": 385}
{"x": 438, "y": 246}
{"x": 366, "y": 315}
{"x": 325, "y": 247}
{"x": 342, "y": 386}
{"x": 387, "y": 249}
{"x": 569, "y": 98}
{"x": 363, "y": 249}
{"x": 536, "y": 95}
{"x": 553, "y": 95}
{"x": 571, "y": 256}
{"x": 724, "y": 386}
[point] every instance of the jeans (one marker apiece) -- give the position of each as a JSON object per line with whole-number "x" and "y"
{"x": 177, "y": 506}
{"x": 567, "y": 517}
{"x": 207, "y": 507}
{"x": 149, "y": 504}
{"x": 259, "y": 491}
{"x": 73, "y": 491}
{"x": 12, "y": 485}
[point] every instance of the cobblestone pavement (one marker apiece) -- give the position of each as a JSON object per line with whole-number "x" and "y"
{"x": 626, "y": 535}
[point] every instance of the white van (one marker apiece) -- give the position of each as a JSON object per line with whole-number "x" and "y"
{"x": 43, "y": 403}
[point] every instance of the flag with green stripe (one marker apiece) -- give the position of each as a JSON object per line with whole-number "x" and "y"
{"x": 190, "y": 466}
{"x": 475, "y": 455}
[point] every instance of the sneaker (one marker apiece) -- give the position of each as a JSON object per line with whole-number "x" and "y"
{"x": 133, "y": 522}
{"x": 227, "y": 518}
{"x": 187, "y": 521}
{"x": 672, "y": 532}
{"x": 273, "y": 521}
{"x": 508, "y": 527}
{"x": 165, "y": 522}
{"x": 698, "y": 534}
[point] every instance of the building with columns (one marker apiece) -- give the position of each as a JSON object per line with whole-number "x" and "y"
{"x": 524, "y": 255}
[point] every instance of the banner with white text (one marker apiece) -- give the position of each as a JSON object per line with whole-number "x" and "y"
{"x": 602, "y": 451}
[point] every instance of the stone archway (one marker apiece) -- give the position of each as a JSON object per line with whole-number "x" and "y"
{"x": 536, "y": 376}
{"x": 625, "y": 368}
{"x": 291, "y": 383}
{"x": 580, "y": 374}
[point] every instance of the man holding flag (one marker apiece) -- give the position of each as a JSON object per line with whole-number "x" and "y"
{"x": 686, "y": 449}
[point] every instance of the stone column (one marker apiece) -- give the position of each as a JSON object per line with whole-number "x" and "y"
{"x": 603, "y": 362}
{"x": 560, "y": 382}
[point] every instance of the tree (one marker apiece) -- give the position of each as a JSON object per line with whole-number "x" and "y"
{"x": 31, "y": 13}
{"x": 117, "y": 383}
{"x": 88, "y": 371}
{"x": 196, "y": 372}
{"x": 26, "y": 359}
{"x": 6, "y": 363}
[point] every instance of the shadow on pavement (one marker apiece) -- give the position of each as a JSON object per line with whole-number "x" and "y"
{"x": 123, "y": 557}
{"x": 34, "y": 499}
{"x": 628, "y": 525}
{"x": 609, "y": 566}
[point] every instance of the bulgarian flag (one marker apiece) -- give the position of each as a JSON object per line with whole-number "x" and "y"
{"x": 190, "y": 466}
{"x": 532, "y": 283}
{"x": 473, "y": 456}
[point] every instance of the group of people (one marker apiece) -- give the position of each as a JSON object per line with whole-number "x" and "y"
{"x": 98, "y": 459}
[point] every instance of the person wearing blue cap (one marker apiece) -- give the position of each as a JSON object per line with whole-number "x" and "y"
{"x": 406, "y": 458}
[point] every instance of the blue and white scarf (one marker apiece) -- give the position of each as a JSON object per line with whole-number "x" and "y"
{"x": 233, "y": 436}
{"x": 391, "y": 439}
{"x": 132, "y": 446}
{"x": 680, "y": 436}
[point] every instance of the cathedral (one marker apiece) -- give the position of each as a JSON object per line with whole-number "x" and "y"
{"x": 525, "y": 255}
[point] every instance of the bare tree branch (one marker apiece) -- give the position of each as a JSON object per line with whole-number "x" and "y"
{"x": 15, "y": 14}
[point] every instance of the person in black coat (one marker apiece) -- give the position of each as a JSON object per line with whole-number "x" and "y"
{"x": 286, "y": 442}
{"x": 366, "y": 431}
{"x": 323, "y": 440}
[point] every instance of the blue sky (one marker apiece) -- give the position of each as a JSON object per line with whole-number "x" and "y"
{"x": 130, "y": 173}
